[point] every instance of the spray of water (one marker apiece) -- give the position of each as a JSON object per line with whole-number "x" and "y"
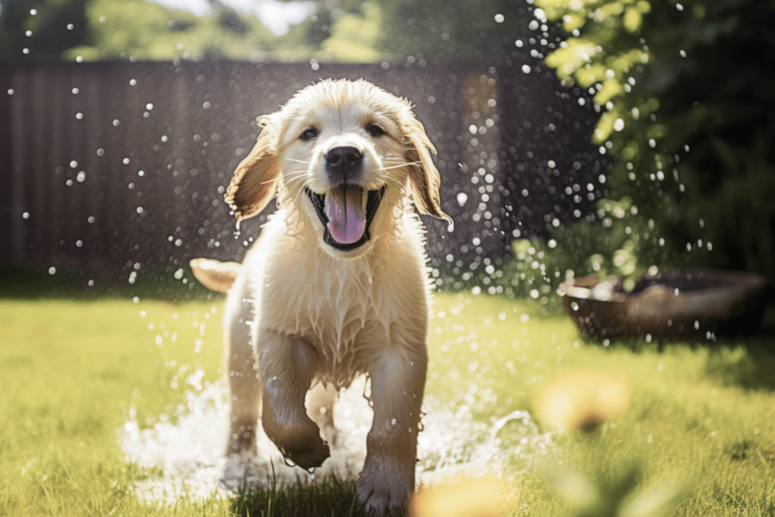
{"x": 190, "y": 453}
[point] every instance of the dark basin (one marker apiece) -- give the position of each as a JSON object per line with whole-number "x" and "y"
{"x": 680, "y": 305}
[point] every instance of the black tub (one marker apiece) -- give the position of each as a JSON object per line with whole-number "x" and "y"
{"x": 681, "y": 305}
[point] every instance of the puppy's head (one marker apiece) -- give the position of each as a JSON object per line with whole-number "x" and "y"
{"x": 345, "y": 155}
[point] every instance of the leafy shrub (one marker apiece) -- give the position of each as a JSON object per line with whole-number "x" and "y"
{"x": 687, "y": 121}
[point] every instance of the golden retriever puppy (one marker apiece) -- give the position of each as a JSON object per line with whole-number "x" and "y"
{"x": 336, "y": 285}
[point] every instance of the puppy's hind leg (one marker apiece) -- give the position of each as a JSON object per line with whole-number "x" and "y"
{"x": 241, "y": 370}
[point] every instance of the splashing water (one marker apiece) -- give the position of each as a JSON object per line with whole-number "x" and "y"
{"x": 191, "y": 456}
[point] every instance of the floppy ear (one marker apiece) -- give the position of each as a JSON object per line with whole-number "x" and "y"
{"x": 255, "y": 180}
{"x": 424, "y": 179}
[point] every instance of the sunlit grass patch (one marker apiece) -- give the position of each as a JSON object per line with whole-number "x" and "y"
{"x": 73, "y": 373}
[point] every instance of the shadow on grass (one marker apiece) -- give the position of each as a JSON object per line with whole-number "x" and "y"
{"x": 744, "y": 361}
{"x": 173, "y": 283}
{"x": 749, "y": 365}
{"x": 332, "y": 496}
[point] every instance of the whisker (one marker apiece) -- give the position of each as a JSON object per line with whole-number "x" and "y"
{"x": 406, "y": 164}
{"x": 285, "y": 176}
{"x": 294, "y": 175}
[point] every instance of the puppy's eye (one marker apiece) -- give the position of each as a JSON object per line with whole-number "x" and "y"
{"x": 375, "y": 130}
{"x": 309, "y": 134}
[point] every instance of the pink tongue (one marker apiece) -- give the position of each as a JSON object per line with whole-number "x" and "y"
{"x": 346, "y": 218}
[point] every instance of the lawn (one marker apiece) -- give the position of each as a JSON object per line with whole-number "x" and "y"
{"x": 74, "y": 372}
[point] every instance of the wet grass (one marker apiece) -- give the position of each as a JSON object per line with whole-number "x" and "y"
{"x": 72, "y": 370}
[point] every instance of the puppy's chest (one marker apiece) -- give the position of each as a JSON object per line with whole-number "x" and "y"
{"x": 329, "y": 304}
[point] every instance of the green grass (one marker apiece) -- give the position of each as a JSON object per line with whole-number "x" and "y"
{"x": 71, "y": 371}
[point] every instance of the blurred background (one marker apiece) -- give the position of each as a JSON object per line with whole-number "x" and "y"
{"x": 608, "y": 137}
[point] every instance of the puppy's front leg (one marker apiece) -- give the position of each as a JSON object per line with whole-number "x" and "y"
{"x": 287, "y": 366}
{"x": 397, "y": 384}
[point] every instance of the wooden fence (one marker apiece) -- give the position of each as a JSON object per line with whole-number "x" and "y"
{"x": 108, "y": 165}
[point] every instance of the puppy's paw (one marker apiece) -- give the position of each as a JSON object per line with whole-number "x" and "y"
{"x": 308, "y": 455}
{"x": 382, "y": 488}
{"x": 302, "y": 445}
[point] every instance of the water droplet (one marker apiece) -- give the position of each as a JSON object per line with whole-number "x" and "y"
{"x": 70, "y": 26}
{"x": 26, "y": 215}
{"x": 116, "y": 122}
{"x": 499, "y": 18}
{"x": 52, "y": 270}
{"x": 139, "y": 210}
{"x": 132, "y": 82}
{"x": 81, "y": 177}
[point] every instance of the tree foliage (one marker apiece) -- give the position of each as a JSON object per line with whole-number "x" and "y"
{"x": 43, "y": 27}
{"x": 148, "y": 30}
{"x": 468, "y": 29}
{"x": 137, "y": 29}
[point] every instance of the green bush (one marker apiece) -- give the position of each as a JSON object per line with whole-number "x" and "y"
{"x": 687, "y": 121}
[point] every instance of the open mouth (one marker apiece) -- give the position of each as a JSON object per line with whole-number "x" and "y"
{"x": 346, "y": 213}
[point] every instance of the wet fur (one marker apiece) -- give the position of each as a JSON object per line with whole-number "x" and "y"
{"x": 303, "y": 318}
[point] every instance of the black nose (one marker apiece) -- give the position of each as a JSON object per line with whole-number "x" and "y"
{"x": 343, "y": 158}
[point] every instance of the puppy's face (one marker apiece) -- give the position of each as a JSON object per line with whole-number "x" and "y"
{"x": 345, "y": 155}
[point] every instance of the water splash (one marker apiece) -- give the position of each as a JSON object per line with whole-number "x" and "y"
{"x": 190, "y": 453}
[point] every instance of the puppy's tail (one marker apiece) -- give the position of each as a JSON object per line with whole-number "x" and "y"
{"x": 215, "y": 275}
